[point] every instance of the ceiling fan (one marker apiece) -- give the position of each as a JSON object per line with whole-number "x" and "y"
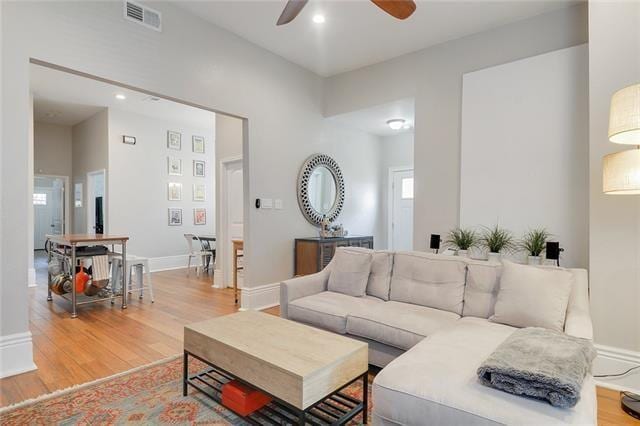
{"x": 400, "y": 9}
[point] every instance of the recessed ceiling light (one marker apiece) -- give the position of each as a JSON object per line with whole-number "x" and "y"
{"x": 318, "y": 19}
{"x": 396, "y": 123}
{"x": 121, "y": 97}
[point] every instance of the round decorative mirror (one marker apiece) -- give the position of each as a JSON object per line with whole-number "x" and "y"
{"x": 320, "y": 189}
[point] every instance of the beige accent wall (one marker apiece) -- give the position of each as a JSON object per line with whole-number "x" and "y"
{"x": 614, "y": 220}
{"x": 52, "y": 149}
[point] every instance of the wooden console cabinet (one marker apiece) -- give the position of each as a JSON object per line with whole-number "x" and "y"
{"x": 313, "y": 254}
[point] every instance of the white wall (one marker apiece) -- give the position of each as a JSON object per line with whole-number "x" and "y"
{"x": 614, "y": 221}
{"x": 524, "y": 149}
{"x": 52, "y": 149}
{"x": 434, "y": 78}
{"x": 229, "y": 140}
{"x": 89, "y": 154}
{"x": 138, "y": 177}
{"x": 395, "y": 151}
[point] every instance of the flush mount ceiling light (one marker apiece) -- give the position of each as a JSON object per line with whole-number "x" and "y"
{"x": 121, "y": 97}
{"x": 318, "y": 19}
{"x": 396, "y": 123}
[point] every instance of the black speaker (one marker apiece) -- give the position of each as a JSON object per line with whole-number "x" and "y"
{"x": 553, "y": 250}
{"x": 434, "y": 244}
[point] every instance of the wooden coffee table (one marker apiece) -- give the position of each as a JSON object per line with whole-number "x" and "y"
{"x": 303, "y": 368}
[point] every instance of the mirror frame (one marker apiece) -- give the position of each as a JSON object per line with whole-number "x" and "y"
{"x": 310, "y": 164}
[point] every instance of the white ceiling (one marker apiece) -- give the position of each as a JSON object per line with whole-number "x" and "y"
{"x": 68, "y": 99}
{"x": 357, "y": 33}
{"x": 374, "y": 120}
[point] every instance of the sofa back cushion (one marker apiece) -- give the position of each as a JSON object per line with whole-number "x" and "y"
{"x": 380, "y": 275}
{"x": 533, "y": 296}
{"x": 350, "y": 272}
{"x": 481, "y": 291}
{"x": 428, "y": 280}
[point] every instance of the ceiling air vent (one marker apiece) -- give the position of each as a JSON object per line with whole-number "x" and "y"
{"x": 143, "y": 15}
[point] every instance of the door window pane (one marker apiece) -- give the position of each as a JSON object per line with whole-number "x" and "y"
{"x": 407, "y": 188}
{"x": 39, "y": 199}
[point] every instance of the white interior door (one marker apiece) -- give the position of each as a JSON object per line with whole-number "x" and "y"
{"x": 401, "y": 210}
{"x": 48, "y": 206}
{"x": 234, "y": 213}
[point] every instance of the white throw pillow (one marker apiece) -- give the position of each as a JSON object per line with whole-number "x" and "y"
{"x": 350, "y": 272}
{"x": 531, "y": 296}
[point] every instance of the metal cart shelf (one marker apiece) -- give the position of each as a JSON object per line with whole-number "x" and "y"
{"x": 64, "y": 246}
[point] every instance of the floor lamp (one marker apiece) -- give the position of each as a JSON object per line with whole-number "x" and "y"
{"x": 621, "y": 172}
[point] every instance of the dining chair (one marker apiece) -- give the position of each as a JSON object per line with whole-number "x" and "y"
{"x": 197, "y": 251}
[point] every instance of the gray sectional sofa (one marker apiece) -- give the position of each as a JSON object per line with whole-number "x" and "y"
{"x": 425, "y": 318}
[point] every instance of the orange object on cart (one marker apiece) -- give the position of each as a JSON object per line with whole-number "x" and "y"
{"x": 82, "y": 278}
{"x": 243, "y": 399}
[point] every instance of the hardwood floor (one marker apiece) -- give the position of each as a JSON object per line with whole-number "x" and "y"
{"x": 105, "y": 340}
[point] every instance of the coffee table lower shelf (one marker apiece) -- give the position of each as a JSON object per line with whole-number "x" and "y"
{"x": 335, "y": 409}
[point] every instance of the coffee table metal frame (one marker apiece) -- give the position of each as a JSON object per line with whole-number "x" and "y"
{"x": 336, "y": 408}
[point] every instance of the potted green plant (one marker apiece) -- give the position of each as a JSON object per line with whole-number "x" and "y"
{"x": 534, "y": 242}
{"x": 462, "y": 239}
{"x": 496, "y": 240}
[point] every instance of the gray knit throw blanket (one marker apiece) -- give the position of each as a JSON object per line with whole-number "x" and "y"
{"x": 540, "y": 363}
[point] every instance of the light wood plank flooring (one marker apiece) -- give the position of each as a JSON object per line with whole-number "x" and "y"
{"x": 106, "y": 340}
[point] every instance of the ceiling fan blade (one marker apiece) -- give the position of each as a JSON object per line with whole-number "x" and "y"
{"x": 400, "y": 9}
{"x": 291, "y": 10}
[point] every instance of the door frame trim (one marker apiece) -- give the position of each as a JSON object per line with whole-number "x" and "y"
{"x": 222, "y": 279}
{"x": 390, "y": 193}
{"x": 105, "y": 201}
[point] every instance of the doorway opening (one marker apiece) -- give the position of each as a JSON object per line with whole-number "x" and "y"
{"x": 96, "y": 201}
{"x": 400, "y": 215}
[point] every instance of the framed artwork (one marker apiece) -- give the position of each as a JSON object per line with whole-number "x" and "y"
{"x": 199, "y": 191}
{"x": 174, "y": 140}
{"x": 198, "y": 168}
{"x": 174, "y": 166}
{"x": 174, "y": 191}
{"x": 200, "y": 216}
{"x": 197, "y": 144}
{"x": 175, "y": 217}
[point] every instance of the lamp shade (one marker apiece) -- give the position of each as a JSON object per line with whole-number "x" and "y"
{"x": 621, "y": 173}
{"x": 624, "y": 116}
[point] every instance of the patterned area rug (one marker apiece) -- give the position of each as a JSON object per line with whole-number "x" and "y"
{"x": 150, "y": 395}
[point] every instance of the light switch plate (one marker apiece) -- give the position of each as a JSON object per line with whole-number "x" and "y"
{"x": 267, "y": 203}
{"x": 278, "y": 204}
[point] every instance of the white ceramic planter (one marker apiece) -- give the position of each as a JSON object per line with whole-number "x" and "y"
{"x": 494, "y": 257}
{"x": 533, "y": 260}
{"x": 462, "y": 253}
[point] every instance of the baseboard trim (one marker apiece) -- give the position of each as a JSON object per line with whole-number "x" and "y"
{"x": 612, "y": 360}
{"x": 168, "y": 263}
{"x": 16, "y": 353}
{"x": 31, "y": 277}
{"x": 260, "y": 297}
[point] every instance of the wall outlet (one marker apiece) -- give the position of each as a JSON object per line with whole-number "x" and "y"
{"x": 278, "y": 204}
{"x": 267, "y": 203}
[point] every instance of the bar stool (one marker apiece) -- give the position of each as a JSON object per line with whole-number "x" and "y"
{"x": 136, "y": 264}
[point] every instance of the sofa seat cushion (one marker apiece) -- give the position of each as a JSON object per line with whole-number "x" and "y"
{"x": 329, "y": 310}
{"x": 398, "y": 324}
{"x": 437, "y": 380}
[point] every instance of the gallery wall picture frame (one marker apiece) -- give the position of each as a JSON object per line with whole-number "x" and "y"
{"x": 174, "y": 166}
{"x": 175, "y": 216}
{"x": 174, "y": 191}
{"x": 197, "y": 144}
{"x": 199, "y": 216}
{"x": 174, "y": 140}
{"x": 199, "y": 168}
{"x": 199, "y": 192}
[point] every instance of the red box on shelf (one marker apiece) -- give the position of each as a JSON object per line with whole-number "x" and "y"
{"x": 243, "y": 399}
